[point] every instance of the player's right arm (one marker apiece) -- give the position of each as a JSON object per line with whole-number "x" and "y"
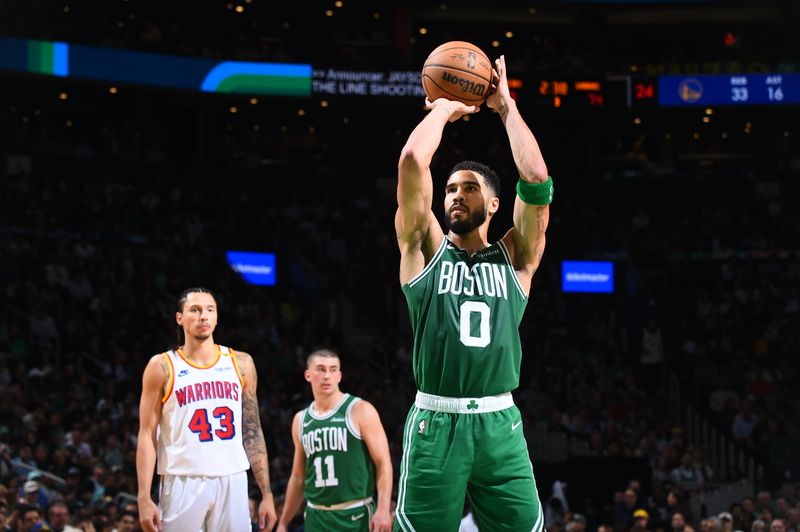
{"x": 154, "y": 380}
{"x": 294, "y": 489}
{"x": 418, "y": 232}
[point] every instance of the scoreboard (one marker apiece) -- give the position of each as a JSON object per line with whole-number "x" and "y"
{"x": 731, "y": 89}
{"x": 665, "y": 91}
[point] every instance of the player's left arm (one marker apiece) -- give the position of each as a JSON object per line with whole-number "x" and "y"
{"x": 253, "y": 439}
{"x": 368, "y": 423}
{"x": 526, "y": 240}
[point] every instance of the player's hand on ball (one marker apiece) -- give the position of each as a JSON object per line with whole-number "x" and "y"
{"x": 454, "y": 108}
{"x": 499, "y": 89}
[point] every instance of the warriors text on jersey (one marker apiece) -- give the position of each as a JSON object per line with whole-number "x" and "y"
{"x": 465, "y": 313}
{"x": 200, "y": 432}
{"x": 338, "y": 464}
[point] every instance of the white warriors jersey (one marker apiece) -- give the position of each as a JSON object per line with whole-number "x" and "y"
{"x": 200, "y": 433}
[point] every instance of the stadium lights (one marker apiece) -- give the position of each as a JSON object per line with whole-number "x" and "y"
{"x": 495, "y": 43}
{"x": 239, "y": 9}
{"x": 253, "y": 101}
{"x": 324, "y": 103}
{"x": 423, "y": 30}
{"x": 63, "y": 96}
{"x": 329, "y": 13}
{"x": 338, "y": 3}
{"x": 113, "y": 90}
{"x": 509, "y": 34}
{"x": 376, "y": 15}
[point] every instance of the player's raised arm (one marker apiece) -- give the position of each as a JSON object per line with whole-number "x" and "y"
{"x": 294, "y": 488}
{"x": 418, "y": 232}
{"x": 253, "y": 440}
{"x": 526, "y": 240}
{"x": 156, "y": 375}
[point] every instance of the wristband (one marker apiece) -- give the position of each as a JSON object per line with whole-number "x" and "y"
{"x": 536, "y": 193}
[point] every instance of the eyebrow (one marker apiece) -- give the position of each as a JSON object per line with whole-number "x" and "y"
{"x": 448, "y": 185}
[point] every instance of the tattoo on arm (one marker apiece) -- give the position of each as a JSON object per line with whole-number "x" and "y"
{"x": 253, "y": 437}
{"x": 503, "y": 110}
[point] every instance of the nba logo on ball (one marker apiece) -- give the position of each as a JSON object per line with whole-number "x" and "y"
{"x": 472, "y": 57}
{"x": 421, "y": 427}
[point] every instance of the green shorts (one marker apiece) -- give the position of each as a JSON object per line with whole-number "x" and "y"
{"x": 352, "y": 520}
{"x": 450, "y": 454}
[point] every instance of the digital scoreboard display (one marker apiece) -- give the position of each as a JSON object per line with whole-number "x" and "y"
{"x": 729, "y": 89}
{"x": 584, "y": 276}
{"x": 255, "y": 268}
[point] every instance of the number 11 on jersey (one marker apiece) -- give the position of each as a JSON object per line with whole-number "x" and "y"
{"x": 320, "y": 482}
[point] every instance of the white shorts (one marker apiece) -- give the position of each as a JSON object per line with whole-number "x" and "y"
{"x": 205, "y": 504}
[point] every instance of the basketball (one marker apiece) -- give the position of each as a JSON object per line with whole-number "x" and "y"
{"x": 457, "y": 70}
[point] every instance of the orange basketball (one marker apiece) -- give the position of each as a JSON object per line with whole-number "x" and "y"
{"x": 457, "y": 70}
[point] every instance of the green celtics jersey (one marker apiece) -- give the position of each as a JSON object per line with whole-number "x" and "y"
{"x": 465, "y": 313}
{"x": 338, "y": 464}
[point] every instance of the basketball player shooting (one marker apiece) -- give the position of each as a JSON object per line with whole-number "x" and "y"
{"x": 199, "y": 420}
{"x": 466, "y": 299}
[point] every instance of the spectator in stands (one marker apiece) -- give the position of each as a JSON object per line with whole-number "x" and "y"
{"x": 58, "y": 516}
{"x": 622, "y": 512}
{"x": 726, "y": 520}
{"x": 640, "y": 519}
{"x": 748, "y": 512}
{"x": 781, "y": 508}
{"x": 678, "y": 522}
{"x": 744, "y": 423}
{"x": 33, "y": 494}
{"x": 765, "y": 502}
{"x": 29, "y": 519}
{"x": 777, "y": 525}
{"x": 685, "y": 475}
{"x": 758, "y": 526}
{"x": 793, "y": 524}
{"x": 127, "y": 522}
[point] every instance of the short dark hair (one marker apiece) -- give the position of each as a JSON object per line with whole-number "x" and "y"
{"x": 489, "y": 175}
{"x": 324, "y": 353}
{"x": 196, "y": 290}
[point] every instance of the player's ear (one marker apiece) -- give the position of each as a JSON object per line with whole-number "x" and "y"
{"x": 178, "y": 318}
{"x": 494, "y": 205}
{"x": 307, "y": 375}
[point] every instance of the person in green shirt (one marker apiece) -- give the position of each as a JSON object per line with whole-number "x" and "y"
{"x": 466, "y": 298}
{"x": 340, "y": 454}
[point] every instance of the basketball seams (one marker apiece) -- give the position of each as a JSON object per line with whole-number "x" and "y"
{"x": 477, "y": 50}
{"x": 449, "y": 67}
